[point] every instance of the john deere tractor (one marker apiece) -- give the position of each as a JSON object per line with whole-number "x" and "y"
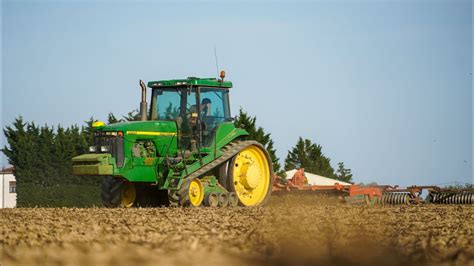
{"x": 184, "y": 151}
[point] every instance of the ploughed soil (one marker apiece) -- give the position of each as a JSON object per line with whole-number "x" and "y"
{"x": 290, "y": 230}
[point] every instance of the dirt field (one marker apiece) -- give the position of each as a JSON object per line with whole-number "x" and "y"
{"x": 288, "y": 231}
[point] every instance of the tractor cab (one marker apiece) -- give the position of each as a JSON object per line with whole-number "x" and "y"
{"x": 198, "y": 106}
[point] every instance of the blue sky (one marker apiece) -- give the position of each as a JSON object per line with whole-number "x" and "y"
{"x": 384, "y": 86}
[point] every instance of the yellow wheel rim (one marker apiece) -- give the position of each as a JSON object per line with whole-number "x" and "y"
{"x": 128, "y": 194}
{"x": 196, "y": 192}
{"x": 251, "y": 176}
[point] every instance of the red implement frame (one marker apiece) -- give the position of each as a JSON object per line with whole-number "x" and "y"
{"x": 299, "y": 183}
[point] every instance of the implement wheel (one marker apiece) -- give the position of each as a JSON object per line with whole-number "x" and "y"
{"x": 117, "y": 193}
{"x": 250, "y": 175}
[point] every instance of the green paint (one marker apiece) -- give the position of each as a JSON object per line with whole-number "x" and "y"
{"x": 211, "y": 185}
{"x": 372, "y": 202}
{"x": 93, "y": 164}
{"x": 205, "y": 82}
{"x": 227, "y": 132}
{"x": 188, "y": 169}
{"x": 148, "y": 145}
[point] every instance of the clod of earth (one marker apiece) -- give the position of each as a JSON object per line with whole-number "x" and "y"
{"x": 290, "y": 230}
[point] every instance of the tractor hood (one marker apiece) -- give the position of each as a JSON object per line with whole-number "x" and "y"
{"x": 156, "y": 128}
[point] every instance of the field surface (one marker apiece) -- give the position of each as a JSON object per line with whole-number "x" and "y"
{"x": 291, "y": 230}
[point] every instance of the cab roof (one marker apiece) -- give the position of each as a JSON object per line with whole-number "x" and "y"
{"x": 208, "y": 82}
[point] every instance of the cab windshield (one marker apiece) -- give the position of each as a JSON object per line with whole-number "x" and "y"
{"x": 171, "y": 103}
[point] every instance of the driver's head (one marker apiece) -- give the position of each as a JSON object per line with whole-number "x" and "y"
{"x": 206, "y": 101}
{"x": 206, "y": 106}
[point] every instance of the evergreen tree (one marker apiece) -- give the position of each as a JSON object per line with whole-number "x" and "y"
{"x": 133, "y": 115}
{"x": 171, "y": 112}
{"x": 343, "y": 174}
{"x": 42, "y": 160}
{"x": 112, "y": 119}
{"x": 64, "y": 150}
{"x": 14, "y": 134}
{"x": 46, "y": 167}
{"x": 309, "y": 156}
{"x": 88, "y": 130}
{"x": 16, "y": 153}
{"x": 79, "y": 139}
{"x": 248, "y": 123}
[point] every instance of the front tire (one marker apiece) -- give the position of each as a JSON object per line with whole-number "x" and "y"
{"x": 117, "y": 193}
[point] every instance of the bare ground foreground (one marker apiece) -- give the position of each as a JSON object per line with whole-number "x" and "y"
{"x": 290, "y": 230}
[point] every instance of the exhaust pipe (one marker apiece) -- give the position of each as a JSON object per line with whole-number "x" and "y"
{"x": 143, "y": 102}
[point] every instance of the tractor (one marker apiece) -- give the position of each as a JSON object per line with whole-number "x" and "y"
{"x": 183, "y": 151}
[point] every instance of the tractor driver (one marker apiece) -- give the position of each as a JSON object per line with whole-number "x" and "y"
{"x": 206, "y": 118}
{"x": 205, "y": 107}
{"x": 205, "y": 111}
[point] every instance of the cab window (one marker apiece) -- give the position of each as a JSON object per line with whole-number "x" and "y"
{"x": 215, "y": 104}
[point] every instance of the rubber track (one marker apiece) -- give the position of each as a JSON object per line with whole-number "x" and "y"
{"x": 179, "y": 197}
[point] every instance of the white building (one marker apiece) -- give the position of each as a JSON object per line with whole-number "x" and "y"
{"x": 8, "y": 189}
{"x": 317, "y": 179}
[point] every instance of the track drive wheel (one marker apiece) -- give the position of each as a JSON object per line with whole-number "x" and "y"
{"x": 250, "y": 175}
{"x": 190, "y": 194}
{"x": 117, "y": 193}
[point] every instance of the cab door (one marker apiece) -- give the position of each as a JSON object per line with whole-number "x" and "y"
{"x": 214, "y": 111}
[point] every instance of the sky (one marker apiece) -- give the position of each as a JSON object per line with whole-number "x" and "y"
{"x": 383, "y": 86}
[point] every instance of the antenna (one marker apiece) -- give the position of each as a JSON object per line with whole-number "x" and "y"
{"x": 215, "y": 56}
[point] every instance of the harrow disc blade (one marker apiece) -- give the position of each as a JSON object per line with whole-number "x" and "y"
{"x": 395, "y": 198}
{"x": 464, "y": 197}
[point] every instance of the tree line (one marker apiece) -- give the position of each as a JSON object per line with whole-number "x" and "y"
{"x": 42, "y": 157}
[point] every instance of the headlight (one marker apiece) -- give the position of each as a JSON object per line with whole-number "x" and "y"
{"x": 92, "y": 148}
{"x": 104, "y": 148}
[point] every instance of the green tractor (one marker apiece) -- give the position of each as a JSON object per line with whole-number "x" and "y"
{"x": 184, "y": 151}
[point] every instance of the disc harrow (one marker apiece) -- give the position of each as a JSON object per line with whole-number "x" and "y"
{"x": 464, "y": 197}
{"x": 374, "y": 195}
{"x": 393, "y": 198}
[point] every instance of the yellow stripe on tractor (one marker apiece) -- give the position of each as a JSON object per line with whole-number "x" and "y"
{"x": 151, "y": 133}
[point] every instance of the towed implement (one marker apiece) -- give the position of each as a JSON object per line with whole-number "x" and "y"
{"x": 374, "y": 195}
{"x": 436, "y": 195}
{"x": 184, "y": 151}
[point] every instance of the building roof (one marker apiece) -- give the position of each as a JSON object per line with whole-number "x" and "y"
{"x": 8, "y": 170}
{"x": 317, "y": 179}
